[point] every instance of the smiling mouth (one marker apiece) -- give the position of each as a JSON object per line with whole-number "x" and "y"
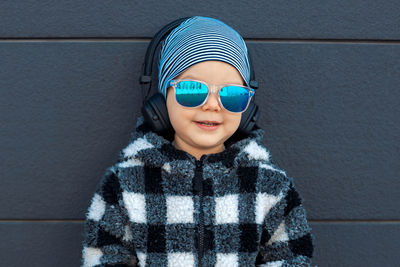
{"x": 207, "y": 126}
{"x": 208, "y": 123}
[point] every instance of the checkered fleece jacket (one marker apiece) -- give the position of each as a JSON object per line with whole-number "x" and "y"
{"x": 159, "y": 206}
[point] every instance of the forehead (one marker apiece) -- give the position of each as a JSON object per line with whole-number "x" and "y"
{"x": 216, "y": 72}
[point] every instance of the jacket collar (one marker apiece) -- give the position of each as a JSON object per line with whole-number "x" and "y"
{"x": 152, "y": 149}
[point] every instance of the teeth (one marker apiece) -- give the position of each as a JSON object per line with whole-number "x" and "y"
{"x": 208, "y": 124}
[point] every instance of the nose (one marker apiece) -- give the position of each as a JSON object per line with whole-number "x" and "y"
{"x": 212, "y": 102}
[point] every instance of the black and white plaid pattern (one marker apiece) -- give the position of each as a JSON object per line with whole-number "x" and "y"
{"x": 146, "y": 210}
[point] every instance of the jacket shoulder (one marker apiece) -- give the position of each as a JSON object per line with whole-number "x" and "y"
{"x": 273, "y": 179}
{"x": 109, "y": 187}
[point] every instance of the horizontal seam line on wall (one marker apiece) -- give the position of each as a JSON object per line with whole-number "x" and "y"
{"x": 249, "y": 40}
{"x": 354, "y": 221}
{"x": 310, "y": 221}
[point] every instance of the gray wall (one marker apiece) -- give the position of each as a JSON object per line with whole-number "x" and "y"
{"x": 329, "y": 77}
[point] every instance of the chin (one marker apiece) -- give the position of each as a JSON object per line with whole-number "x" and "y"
{"x": 206, "y": 143}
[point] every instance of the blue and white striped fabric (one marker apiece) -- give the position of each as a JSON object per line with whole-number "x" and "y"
{"x": 200, "y": 39}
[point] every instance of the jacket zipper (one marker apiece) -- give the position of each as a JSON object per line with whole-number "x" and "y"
{"x": 199, "y": 188}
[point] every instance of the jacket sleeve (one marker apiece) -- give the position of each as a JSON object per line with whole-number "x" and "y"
{"x": 286, "y": 239}
{"x": 107, "y": 236}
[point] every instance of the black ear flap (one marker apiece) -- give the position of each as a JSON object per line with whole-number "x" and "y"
{"x": 156, "y": 116}
{"x": 248, "y": 120}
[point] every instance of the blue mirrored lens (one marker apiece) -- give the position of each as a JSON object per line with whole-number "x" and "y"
{"x": 193, "y": 94}
{"x": 234, "y": 98}
{"x": 190, "y": 93}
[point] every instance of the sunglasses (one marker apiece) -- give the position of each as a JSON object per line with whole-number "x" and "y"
{"x": 192, "y": 93}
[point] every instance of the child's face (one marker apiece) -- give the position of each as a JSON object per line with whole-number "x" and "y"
{"x": 188, "y": 135}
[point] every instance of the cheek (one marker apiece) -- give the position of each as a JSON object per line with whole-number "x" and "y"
{"x": 178, "y": 116}
{"x": 233, "y": 122}
{"x": 173, "y": 114}
{"x": 171, "y": 105}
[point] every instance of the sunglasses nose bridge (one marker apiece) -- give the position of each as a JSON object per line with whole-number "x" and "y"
{"x": 214, "y": 88}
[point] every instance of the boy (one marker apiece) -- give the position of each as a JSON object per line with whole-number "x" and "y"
{"x": 204, "y": 198}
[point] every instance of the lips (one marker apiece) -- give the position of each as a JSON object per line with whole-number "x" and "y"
{"x": 209, "y": 122}
{"x": 208, "y": 127}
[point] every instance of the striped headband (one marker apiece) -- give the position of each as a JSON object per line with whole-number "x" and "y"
{"x": 200, "y": 39}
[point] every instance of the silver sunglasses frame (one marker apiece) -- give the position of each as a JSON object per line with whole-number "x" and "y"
{"x": 216, "y": 89}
